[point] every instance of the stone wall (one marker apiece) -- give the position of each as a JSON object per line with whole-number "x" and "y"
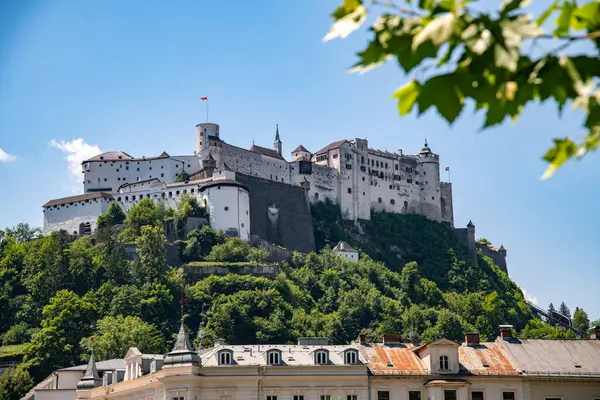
{"x": 280, "y": 213}
{"x": 277, "y": 254}
{"x": 497, "y": 256}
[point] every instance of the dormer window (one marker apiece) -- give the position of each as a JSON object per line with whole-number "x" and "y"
{"x": 225, "y": 357}
{"x": 273, "y": 357}
{"x": 321, "y": 357}
{"x": 351, "y": 357}
{"x": 444, "y": 363}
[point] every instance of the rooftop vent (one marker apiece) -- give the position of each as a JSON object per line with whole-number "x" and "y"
{"x": 485, "y": 364}
{"x": 389, "y": 364}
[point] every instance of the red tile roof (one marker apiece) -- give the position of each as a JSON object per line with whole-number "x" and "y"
{"x": 472, "y": 359}
{"x": 332, "y": 146}
{"x": 392, "y": 360}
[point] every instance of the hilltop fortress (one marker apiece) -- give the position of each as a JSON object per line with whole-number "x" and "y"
{"x": 257, "y": 191}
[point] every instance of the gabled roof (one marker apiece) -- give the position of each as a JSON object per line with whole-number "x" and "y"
{"x": 392, "y": 360}
{"x": 300, "y": 148}
{"x": 345, "y": 247}
{"x": 265, "y": 151}
{"x": 439, "y": 342}
{"x": 163, "y": 155}
{"x": 554, "y": 356}
{"x": 332, "y": 146}
{"x": 110, "y": 156}
{"x": 485, "y": 359}
{"x": 79, "y": 197}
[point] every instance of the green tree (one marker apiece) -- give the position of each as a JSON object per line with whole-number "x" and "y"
{"x": 465, "y": 54}
{"x": 182, "y": 176}
{"x": 188, "y": 206}
{"x": 206, "y": 238}
{"x": 564, "y": 310}
{"x": 142, "y": 214}
{"x": 81, "y": 266}
{"x": 22, "y": 232}
{"x": 113, "y": 216}
{"x": 536, "y": 329}
{"x": 258, "y": 254}
{"x": 17, "y": 334}
{"x": 115, "y": 335}
{"x": 152, "y": 262}
{"x": 595, "y": 323}
{"x": 233, "y": 249}
{"x": 15, "y": 383}
{"x": 581, "y": 320}
{"x": 66, "y": 319}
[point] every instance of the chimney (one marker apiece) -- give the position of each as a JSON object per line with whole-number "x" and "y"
{"x": 471, "y": 338}
{"x": 362, "y": 339}
{"x": 220, "y": 342}
{"x": 506, "y": 331}
{"x": 390, "y": 338}
{"x": 595, "y": 333}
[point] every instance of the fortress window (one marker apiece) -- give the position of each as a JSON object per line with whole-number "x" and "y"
{"x": 386, "y": 165}
{"x": 127, "y": 168}
{"x": 170, "y": 194}
{"x": 377, "y": 163}
{"x": 348, "y": 166}
{"x": 184, "y": 190}
{"x": 379, "y": 200}
{"x": 104, "y": 179}
{"x": 226, "y": 208}
{"x": 405, "y": 203}
{"x": 133, "y": 198}
{"x": 409, "y": 180}
{"x": 150, "y": 167}
{"x": 396, "y": 166}
{"x": 162, "y": 167}
{"x": 390, "y": 186}
{"x": 177, "y": 193}
{"x": 281, "y": 179}
{"x": 162, "y": 175}
{"x": 89, "y": 181}
{"x": 192, "y": 190}
{"x": 416, "y": 182}
{"x": 363, "y": 178}
{"x": 335, "y": 156}
{"x": 432, "y": 198}
{"x": 126, "y": 198}
{"x": 372, "y": 163}
{"x": 392, "y": 201}
{"x": 349, "y": 190}
{"x": 138, "y": 168}
{"x": 117, "y": 169}
{"x": 101, "y": 157}
{"x": 188, "y": 165}
{"x": 118, "y": 179}
{"x": 362, "y": 159}
{"x": 316, "y": 196}
{"x": 424, "y": 173}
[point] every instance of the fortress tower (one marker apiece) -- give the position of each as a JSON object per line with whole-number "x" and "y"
{"x": 277, "y": 145}
{"x": 429, "y": 181}
{"x": 206, "y": 133}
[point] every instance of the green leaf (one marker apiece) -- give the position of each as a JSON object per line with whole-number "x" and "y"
{"x": 407, "y": 96}
{"x": 348, "y": 18}
{"x": 373, "y": 56}
{"x": 495, "y": 114}
{"x": 401, "y": 46}
{"x": 562, "y": 151}
{"x": 506, "y": 57}
{"x": 437, "y": 31}
{"x": 426, "y": 5}
{"x": 442, "y": 92}
{"x": 508, "y": 6}
{"x": 542, "y": 18}
{"x": 563, "y": 23}
{"x": 586, "y": 17}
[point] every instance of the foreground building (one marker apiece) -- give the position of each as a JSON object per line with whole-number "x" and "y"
{"x": 505, "y": 369}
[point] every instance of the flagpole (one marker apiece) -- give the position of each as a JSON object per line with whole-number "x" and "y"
{"x": 206, "y": 110}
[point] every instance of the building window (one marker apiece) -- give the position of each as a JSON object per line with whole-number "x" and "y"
{"x": 138, "y": 168}
{"x": 226, "y": 208}
{"x": 162, "y": 175}
{"x": 298, "y": 397}
{"x": 432, "y": 198}
{"x": 392, "y": 201}
{"x": 379, "y": 200}
{"x": 321, "y": 357}
{"x": 414, "y": 395}
{"x": 449, "y": 394}
{"x": 409, "y": 180}
{"x": 352, "y": 397}
{"x": 476, "y": 395}
{"x": 273, "y": 357}
{"x": 351, "y": 357}
{"x": 405, "y": 203}
{"x": 349, "y": 190}
{"x": 224, "y": 358}
{"x": 179, "y": 398}
{"x": 396, "y": 166}
{"x": 508, "y": 396}
{"x": 390, "y": 186}
{"x": 335, "y": 156}
{"x": 383, "y": 395}
{"x": 271, "y": 397}
{"x": 444, "y": 364}
{"x": 325, "y": 397}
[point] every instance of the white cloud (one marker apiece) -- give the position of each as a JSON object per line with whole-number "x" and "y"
{"x": 529, "y": 297}
{"x": 5, "y": 157}
{"x": 76, "y": 151}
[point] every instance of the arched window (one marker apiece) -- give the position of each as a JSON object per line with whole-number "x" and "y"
{"x": 225, "y": 357}
{"x": 321, "y": 357}
{"x": 351, "y": 357}
{"x": 273, "y": 357}
{"x": 444, "y": 364}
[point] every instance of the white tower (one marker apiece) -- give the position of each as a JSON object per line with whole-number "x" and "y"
{"x": 429, "y": 180}
{"x": 204, "y": 133}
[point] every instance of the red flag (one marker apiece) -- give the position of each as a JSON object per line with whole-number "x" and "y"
{"x": 447, "y": 168}
{"x": 204, "y": 98}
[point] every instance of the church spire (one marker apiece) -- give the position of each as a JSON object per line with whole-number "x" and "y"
{"x": 182, "y": 352}
{"x": 90, "y": 379}
{"x": 277, "y": 142}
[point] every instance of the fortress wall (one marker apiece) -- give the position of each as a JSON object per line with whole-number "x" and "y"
{"x": 446, "y": 202}
{"x": 498, "y": 258}
{"x": 291, "y": 226}
{"x": 251, "y": 163}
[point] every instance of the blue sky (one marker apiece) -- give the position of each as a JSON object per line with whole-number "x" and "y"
{"x": 77, "y": 77}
